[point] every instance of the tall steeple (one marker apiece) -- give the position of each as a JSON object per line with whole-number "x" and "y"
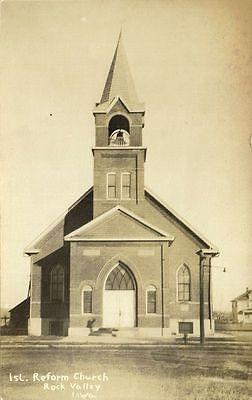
{"x": 119, "y": 81}
{"x": 118, "y": 153}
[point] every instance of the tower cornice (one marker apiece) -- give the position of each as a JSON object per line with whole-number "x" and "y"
{"x": 120, "y": 148}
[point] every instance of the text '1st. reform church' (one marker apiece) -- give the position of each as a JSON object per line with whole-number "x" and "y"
{"x": 119, "y": 257}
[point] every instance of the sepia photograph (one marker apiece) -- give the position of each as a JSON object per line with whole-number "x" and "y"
{"x": 126, "y": 200}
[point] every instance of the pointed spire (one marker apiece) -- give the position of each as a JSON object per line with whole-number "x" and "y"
{"x": 119, "y": 81}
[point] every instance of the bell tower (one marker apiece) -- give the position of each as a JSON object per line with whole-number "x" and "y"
{"x": 118, "y": 153}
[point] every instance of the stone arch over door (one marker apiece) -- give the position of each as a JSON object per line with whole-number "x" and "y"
{"x": 119, "y": 298}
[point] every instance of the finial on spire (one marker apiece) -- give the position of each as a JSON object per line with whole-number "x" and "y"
{"x": 120, "y": 35}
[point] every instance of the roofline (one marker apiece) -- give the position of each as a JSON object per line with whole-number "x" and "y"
{"x": 242, "y": 295}
{"x": 31, "y": 246}
{"x": 119, "y": 148}
{"x": 186, "y": 224}
{"x": 80, "y": 198}
{"x": 111, "y": 103}
{"x": 211, "y": 251}
{"x": 31, "y": 251}
{"x": 161, "y": 239}
{"x": 19, "y": 304}
{"x": 124, "y": 148}
{"x": 124, "y": 210}
{"x": 140, "y": 110}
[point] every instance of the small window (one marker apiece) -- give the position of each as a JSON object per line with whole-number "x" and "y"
{"x": 87, "y": 300}
{"x": 184, "y": 284}
{"x": 126, "y": 185}
{"x": 151, "y": 298}
{"x": 111, "y": 186}
{"x": 57, "y": 284}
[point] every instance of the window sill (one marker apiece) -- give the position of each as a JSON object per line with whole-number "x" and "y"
{"x": 184, "y": 301}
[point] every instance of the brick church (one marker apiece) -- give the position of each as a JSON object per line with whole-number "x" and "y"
{"x": 119, "y": 257}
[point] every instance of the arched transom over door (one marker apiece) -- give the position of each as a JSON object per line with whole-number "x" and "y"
{"x": 119, "y": 299}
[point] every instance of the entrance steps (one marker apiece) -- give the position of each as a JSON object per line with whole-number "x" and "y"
{"x": 116, "y": 332}
{"x": 127, "y": 332}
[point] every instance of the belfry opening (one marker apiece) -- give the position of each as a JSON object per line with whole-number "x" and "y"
{"x": 118, "y": 131}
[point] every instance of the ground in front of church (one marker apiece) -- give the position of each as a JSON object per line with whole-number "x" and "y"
{"x": 221, "y": 370}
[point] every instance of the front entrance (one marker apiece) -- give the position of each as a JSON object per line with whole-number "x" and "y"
{"x": 56, "y": 328}
{"x": 119, "y": 300}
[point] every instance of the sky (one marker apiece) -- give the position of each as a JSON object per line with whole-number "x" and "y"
{"x": 191, "y": 63}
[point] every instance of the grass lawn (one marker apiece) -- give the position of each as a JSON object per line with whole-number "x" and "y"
{"x": 214, "y": 372}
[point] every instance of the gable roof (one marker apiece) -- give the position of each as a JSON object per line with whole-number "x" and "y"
{"x": 35, "y": 246}
{"x": 169, "y": 211}
{"x": 133, "y": 228}
{"x": 107, "y": 106}
{"x": 243, "y": 296}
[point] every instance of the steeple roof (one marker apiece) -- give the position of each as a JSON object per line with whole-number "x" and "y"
{"x": 119, "y": 81}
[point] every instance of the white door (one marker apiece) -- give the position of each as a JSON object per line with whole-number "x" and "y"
{"x": 119, "y": 308}
{"x": 127, "y": 308}
{"x": 111, "y": 309}
{"x": 119, "y": 299}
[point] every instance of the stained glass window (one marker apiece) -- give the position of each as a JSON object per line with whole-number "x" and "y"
{"x": 184, "y": 284}
{"x": 57, "y": 283}
{"x": 119, "y": 279}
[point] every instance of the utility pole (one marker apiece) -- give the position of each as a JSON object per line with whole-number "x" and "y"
{"x": 205, "y": 256}
{"x": 162, "y": 290}
{"x": 202, "y": 302}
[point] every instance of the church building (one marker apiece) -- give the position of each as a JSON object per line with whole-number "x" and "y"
{"x": 120, "y": 258}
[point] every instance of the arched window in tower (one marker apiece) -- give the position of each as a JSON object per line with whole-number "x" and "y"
{"x": 184, "y": 283}
{"x": 119, "y": 131}
{"x": 57, "y": 284}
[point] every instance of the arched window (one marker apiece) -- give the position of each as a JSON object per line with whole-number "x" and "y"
{"x": 87, "y": 300}
{"x": 151, "y": 300}
{"x": 184, "y": 283}
{"x": 57, "y": 284}
{"x": 120, "y": 279}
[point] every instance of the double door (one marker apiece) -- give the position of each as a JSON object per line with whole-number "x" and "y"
{"x": 119, "y": 308}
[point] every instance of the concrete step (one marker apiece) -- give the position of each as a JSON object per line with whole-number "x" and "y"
{"x": 127, "y": 332}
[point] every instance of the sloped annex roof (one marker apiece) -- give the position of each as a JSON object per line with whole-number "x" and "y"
{"x": 243, "y": 296}
{"x": 25, "y": 302}
{"x": 133, "y": 228}
{"x": 58, "y": 223}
